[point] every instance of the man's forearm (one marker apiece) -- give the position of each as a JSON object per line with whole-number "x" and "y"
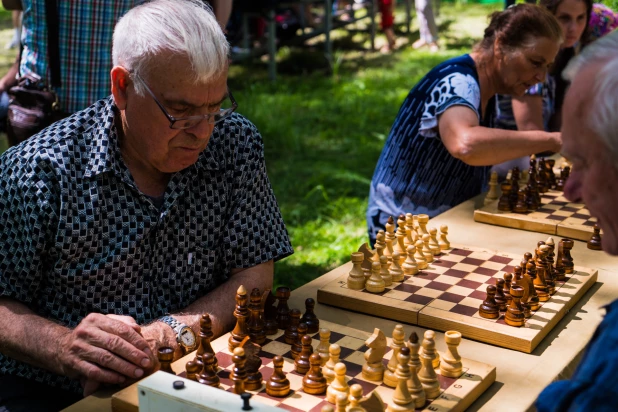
{"x": 27, "y": 336}
{"x": 220, "y": 303}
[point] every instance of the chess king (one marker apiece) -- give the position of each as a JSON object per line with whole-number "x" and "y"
{"x": 122, "y": 224}
{"x": 590, "y": 141}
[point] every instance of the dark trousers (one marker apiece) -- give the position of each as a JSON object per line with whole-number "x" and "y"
{"x": 24, "y": 395}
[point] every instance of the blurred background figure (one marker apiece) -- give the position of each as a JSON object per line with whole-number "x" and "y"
{"x": 427, "y": 26}
{"x": 15, "y": 40}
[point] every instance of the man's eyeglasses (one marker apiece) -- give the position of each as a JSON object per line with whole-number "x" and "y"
{"x": 227, "y": 108}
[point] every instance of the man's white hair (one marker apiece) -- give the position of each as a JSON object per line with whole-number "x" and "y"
{"x": 184, "y": 27}
{"x": 603, "y": 114}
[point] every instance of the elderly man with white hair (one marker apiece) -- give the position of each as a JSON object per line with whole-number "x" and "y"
{"x": 121, "y": 225}
{"x": 590, "y": 141}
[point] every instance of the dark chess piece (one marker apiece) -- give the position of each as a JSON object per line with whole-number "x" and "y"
{"x": 533, "y": 299}
{"x": 514, "y": 188}
{"x": 504, "y": 204}
{"x": 550, "y": 277}
{"x": 291, "y": 333}
{"x": 278, "y": 385}
{"x": 255, "y": 326}
{"x": 489, "y": 308}
{"x": 520, "y": 205}
{"x": 298, "y": 345}
{"x": 518, "y": 279}
{"x": 208, "y": 375}
{"x": 312, "y": 321}
{"x": 532, "y": 185}
{"x": 560, "y": 269}
{"x": 283, "y": 311}
{"x": 541, "y": 269}
{"x": 252, "y": 364}
{"x": 531, "y": 199}
{"x": 527, "y": 311}
{"x": 314, "y": 381}
{"x": 541, "y": 180}
{"x": 193, "y": 368}
{"x": 239, "y": 375}
{"x": 564, "y": 175}
{"x": 500, "y": 298}
{"x": 508, "y": 278}
{"x": 549, "y": 164}
{"x": 515, "y": 312}
{"x": 567, "y": 260}
{"x": 204, "y": 338}
{"x": 241, "y": 313}
{"x": 166, "y": 356}
{"x": 270, "y": 314}
{"x": 301, "y": 364}
{"x": 595, "y": 240}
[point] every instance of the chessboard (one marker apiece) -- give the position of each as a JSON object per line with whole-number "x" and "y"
{"x": 447, "y": 295}
{"x": 456, "y": 394}
{"x": 556, "y": 216}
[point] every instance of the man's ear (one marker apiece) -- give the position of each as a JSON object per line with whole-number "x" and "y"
{"x": 120, "y": 83}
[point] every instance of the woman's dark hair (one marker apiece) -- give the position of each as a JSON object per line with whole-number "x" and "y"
{"x": 519, "y": 25}
{"x": 552, "y": 6}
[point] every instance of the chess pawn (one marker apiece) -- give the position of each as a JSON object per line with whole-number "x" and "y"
{"x": 414, "y": 347}
{"x": 384, "y": 272}
{"x": 426, "y": 250}
{"x": 533, "y": 299}
{"x": 549, "y": 267}
{"x": 444, "y": 243}
{"x": 379, "y": 246}
{"x": 518, "y": 279}
{"x": 356, "y": 277}
{"x": 373, "y": 368}
{"x": 328, "y": 370}
{"x": 520, "y": 204}
{"x": 239, "y": 375}
{"x": 595, "y": 240}
{"x": 342, "y": 403}
{"x": 255, "y": 327}
{"x": 508, "y": 278}
{"x": 309, "y": 318}
{"x": 241, "y": 313}
{"x": 354, "y": 399}
{"x": 415, "y": 387}
{"x": 421, "y": 262}
{"x": 375, "y": 283}
{"x": 427, "y": 374}
{"x": 560, "y": 269}
{"x": 567, "y": 260}
{"x": 402, "y": 400}
{"x": 166, "y": 356}
{"x": 504, "y": 204}
{"x": 208, "y": 375}
{"x": 500, "y": 299}
{"x": 434, "y": 246}
{"x": 492, "y": 194}
{"x": 323, "y": 346}
{"x": 549, "y": 165}
{"x": 193, "y": 368}
{"x": 291, "y": 333}
{"x": 390, "y": 378}
{"x": 531, "y": 199}
{"x": 278, "y": 385}
{"x": 489, "y": 309}
{"x": 297, "y": 346}
{"x": 339, "y": 385}
{"x": 451, "y": 365}
{"x": 399, "y": 244}
{"x": 396, "y": 269}
{"x": 283, "y": 311}
{"x": 515, "y": 312}
{"x": 410, "y": 267}
{"x": 314, "y": 382}
{"x": 301, "y": 364}
{"x": 423, "y": 219}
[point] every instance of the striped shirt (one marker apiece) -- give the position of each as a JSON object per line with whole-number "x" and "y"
{"x": 415, "y": 172}
{"x": 85, "y": 43}
{"x": 505, "y": 118}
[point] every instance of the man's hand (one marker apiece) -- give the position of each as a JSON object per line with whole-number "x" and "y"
{"x": 159, "y": 334}
{"x": 104, "y": 349}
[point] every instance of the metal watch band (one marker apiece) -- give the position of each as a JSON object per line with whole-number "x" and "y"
{"x": 175, "y": 325}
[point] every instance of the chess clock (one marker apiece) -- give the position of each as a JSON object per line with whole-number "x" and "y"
{"x": 184, "y": 334}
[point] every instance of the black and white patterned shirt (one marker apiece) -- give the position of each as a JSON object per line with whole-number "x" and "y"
{"x": 77, "y": 236}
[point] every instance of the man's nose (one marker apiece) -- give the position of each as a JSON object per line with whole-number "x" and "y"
{"x": 573, "y": 187}
{"x": 202, "y": 130}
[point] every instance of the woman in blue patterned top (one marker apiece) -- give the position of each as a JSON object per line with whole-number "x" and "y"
{"x": 441, "y": 145}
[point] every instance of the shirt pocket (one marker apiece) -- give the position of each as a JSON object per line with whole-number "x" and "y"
{"x": 198, "y": 273}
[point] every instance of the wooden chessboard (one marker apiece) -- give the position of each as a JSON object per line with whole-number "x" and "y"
{"x": 447, "y": 295}
{"x": 556, "y": 216}
{"x": 456, "y": 393}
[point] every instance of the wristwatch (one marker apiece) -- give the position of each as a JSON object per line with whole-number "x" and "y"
{"x": 184, "y": 334}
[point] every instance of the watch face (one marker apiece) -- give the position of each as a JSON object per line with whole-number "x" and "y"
{"x": 187, "y": 337}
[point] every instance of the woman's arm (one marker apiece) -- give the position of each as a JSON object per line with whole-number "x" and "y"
{"x": 528, "y": 112}
{"x": 476, "y": 145}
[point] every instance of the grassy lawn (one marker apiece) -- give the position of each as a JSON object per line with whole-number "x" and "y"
{"x": 323, "y": 133}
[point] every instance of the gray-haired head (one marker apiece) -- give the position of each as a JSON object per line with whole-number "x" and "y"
{"x": 602, "y": 117}
{"x": 186, "y": 27}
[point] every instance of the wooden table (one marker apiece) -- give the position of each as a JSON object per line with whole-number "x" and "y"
{"x": 520, "y": 376}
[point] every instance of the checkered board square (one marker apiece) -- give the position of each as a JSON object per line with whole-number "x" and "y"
{"x": 556, "y": 216}
{"x": 447, "y": 295}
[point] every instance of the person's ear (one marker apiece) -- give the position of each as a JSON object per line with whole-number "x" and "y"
{"x": 498, "y": 51}
{"x": 121, "y": 79}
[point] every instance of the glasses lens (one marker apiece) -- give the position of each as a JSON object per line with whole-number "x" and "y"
{"x": 187, "y": 123}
